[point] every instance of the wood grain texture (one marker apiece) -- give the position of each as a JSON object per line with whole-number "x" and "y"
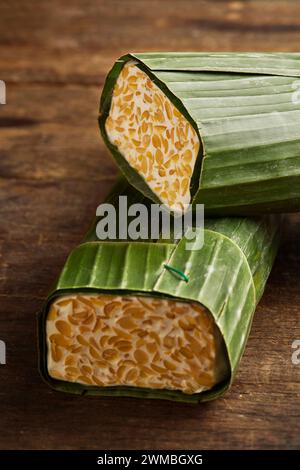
{"x": 54, "y": 170}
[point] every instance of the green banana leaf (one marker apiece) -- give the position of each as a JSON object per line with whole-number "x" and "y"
{"x": 245, "y": 108}
{"x": 227, "y": 276}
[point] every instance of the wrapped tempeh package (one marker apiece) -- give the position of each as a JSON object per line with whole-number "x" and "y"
{"x": 153, "y": 319}
{"x": 218, "y": 129}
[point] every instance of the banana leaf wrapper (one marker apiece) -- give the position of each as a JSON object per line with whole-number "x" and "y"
{"x": 244, "y": 111}
{"x": 226, "y": 276}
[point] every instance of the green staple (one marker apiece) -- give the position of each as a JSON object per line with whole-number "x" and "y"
{"x": 177, "y": 271}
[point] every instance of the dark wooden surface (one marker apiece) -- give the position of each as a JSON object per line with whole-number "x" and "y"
{"x": 54, "y": 170}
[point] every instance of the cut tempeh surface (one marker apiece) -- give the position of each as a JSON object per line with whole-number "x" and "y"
{"x": 153, "y": 136}
{"x": 111, "y": 340}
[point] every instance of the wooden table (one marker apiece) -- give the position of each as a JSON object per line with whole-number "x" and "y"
{"x": 54, "y": 172}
